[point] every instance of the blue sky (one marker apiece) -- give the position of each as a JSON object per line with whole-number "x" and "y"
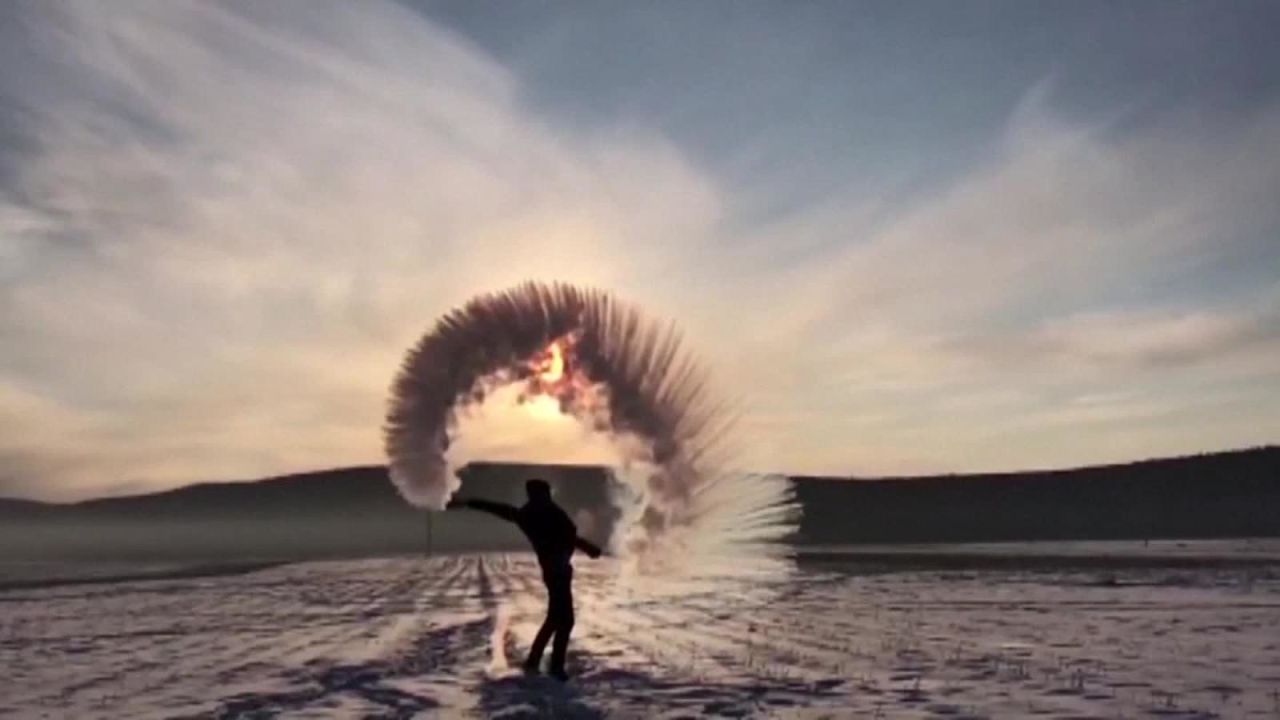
{"x": 906, "y": 236}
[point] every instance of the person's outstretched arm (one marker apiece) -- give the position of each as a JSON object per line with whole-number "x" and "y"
{"x": 502, "y": 510}
{"x": 586, "y": 546}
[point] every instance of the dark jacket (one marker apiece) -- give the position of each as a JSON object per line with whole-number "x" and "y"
{"x": 549, "y": 529}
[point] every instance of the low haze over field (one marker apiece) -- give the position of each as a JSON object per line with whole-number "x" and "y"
{"x": 908, "y": 237}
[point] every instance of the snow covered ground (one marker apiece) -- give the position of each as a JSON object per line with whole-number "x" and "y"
{"x": 413, "y": 637}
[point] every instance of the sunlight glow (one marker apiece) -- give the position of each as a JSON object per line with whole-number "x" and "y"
{"x": 544, "y": 407}
{"x": 551, "y": 369}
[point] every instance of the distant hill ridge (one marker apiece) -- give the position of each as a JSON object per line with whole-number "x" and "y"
{"x": 357, "y": 510}
{"x": 1210, "y": 495}
{"x": 355, "y": 479}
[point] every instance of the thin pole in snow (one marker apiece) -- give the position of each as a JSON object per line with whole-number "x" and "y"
{"x": 429, "y": 514}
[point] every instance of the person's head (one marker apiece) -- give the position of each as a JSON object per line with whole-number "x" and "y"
{"x": 539, "y": 491}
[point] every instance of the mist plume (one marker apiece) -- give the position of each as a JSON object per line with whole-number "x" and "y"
{"x": 608, "y": 365}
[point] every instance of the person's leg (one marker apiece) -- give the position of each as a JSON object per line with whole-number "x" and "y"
{"x": 544, "y": 633}
{"x": 539, "y": 643}
{"x": 561, "y": 613}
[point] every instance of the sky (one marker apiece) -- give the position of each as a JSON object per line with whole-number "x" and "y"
{"x": 905, "y": 237}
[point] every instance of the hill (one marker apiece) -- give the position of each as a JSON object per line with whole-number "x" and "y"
{"x": 344, "y": 512}
{"x": 1215, "y": 495}
{"x": 356, "y": 511}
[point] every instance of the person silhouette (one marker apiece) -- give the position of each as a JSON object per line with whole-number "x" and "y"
{"x": 554, "y": 538}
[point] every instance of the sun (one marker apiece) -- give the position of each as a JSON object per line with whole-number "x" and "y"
{"x": 550, "y": 379}
{"x": 551, "y": 364}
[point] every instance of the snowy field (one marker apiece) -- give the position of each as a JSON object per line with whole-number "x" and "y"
{"x": 414, "y": 637}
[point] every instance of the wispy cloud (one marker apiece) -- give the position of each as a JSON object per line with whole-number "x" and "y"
{"x": 1075, "y": 257}
{"x": 230, "y": 227}
{"x": 225, "y": 223}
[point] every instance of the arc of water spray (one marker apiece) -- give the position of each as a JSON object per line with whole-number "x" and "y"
{"x": 624, "y": 375}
